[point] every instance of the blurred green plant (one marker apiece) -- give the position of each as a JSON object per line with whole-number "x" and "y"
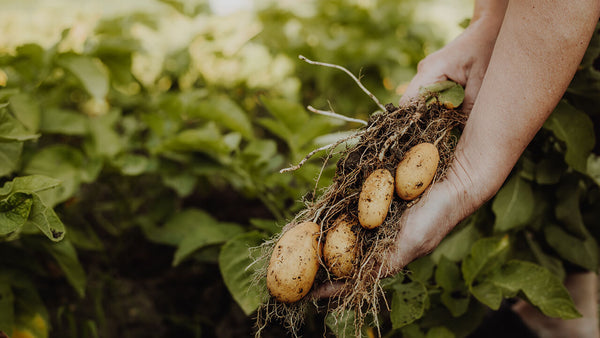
{"x": 96, "y": 150}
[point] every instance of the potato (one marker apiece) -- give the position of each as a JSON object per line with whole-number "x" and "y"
{"x": 416, "y": 171}
{"x": 294, "y": 263}
{"x": 339, "y": 250}
{"x": 375, "y": 198}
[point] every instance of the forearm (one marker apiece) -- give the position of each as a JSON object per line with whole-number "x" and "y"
{"x": 536, "y": 54}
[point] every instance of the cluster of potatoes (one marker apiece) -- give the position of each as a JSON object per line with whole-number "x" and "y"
{"x": 296, "y": 257}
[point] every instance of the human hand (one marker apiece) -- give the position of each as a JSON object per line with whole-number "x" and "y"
{"x": 464, "y": 60}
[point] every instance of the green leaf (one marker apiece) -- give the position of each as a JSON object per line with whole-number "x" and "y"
{"x": 583, "y": 252}
{"x": 106, "y": 140}
{"x": 13, "y": 130}
{"x": 206, "y": 139}
{"x": 513, "y": 205}
{"x": 239, "y": 265}
{"x": 66, "y": 257}
{"x": 225, "y": 112}
{"x": 576, "y": 129}
{"x": 408, "y": 303}
{"x": 539, "y": 285}
{"x": 412, "y": 331}
{"x": 549, "y": 170}
{"x": 342, "y": 324}
{"x": 61, "y": 162}
{"x": 46, "y": 220}
{"x": 593, "y": 168}
{"x": 176, "y": 228}
{"x": 7, "y": 312}
{"x": 14, "y": 211}
{"x": 62, "y": 121}
{"x": 440, "y": 332}
{"x": 457, "y": 244}
{"x": 29, "y": 184}
{"x": 90, "y": 71}
{"x": 207, "y": 231}
{"x": 10, "y": 157}
{"x": 291, "y": 114}
{"x": 27, "y": 110}
{"x": 550, "y": 262}
{"x": 131, "y": 164}
{"x": 568, "y": 209}
{"x": 448, "y": 93}
{"x": 488, "y": 293}
{"x": 454, "y": 295}
{"x": 485, "y": 254}
{"x": 421, "y": 269}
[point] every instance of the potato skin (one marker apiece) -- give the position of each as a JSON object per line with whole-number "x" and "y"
{"x": 294, "y": 263}
{"x": 339, "y": 250}
{"x": 375, "y": 198}
{"x": 416, "y": 171}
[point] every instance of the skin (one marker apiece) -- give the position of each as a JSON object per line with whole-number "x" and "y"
{"x": 515, "y": 61}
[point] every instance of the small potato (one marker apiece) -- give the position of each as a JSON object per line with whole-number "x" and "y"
{"x": 375, "y": 198}
{"x": 294, "y": 263}
{"x": 416, "y": 171}
{"x": 339, "y": 251}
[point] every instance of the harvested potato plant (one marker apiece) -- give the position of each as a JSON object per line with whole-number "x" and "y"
{"x": 382, "y": 144}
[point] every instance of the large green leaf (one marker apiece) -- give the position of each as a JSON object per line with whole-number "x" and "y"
{"x": 488, "y": 293}
{"x": 10, "y": 156}
{"x": 61, "y": 162}
{"x": 14, "y": 211}
{"x": 27, "y": 110}
{"x": 568, "y": 208}
{"x": 513, "y": 205}
{"x": 408, "y": 303}
{"x": 539, "y": 285}
{"x": 457, "y": 244}
{"x": 576, "y": 129}
{"x": 207, "y": 139}
{"x": 343, "y": 324}
{"x": 440, "y": 332}
{"x": 90, "y": 71}
{"x": 486, "y": 254}
{"x": 225, "y": 112}
{"x": 45, "y": 219}
{"x": 550, "y": 262}
{"x": 7, "y": 312}
{"x": 454, "y": 292}
{"x": 13, "y": 130}
{"x": 62, "y": 121}
{"x": 204, "y": 230}
{"x": 583, "y": 252}
{"x": 238, "y": 265}
{"x": 66, "y": 257}
{"x": 29, "y": 184}
{"x": 106, "y": 140}
{"x": 290, "y": 113}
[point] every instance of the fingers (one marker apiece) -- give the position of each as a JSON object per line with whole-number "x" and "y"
{"x": 417, "y": 82}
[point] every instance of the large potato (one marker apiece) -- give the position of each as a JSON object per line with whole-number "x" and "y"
{"x": 294, "y": 263}
{"x": 416, "y": 170}
{"x": 339, "y": 251}
{"x": 375, "y": 198}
